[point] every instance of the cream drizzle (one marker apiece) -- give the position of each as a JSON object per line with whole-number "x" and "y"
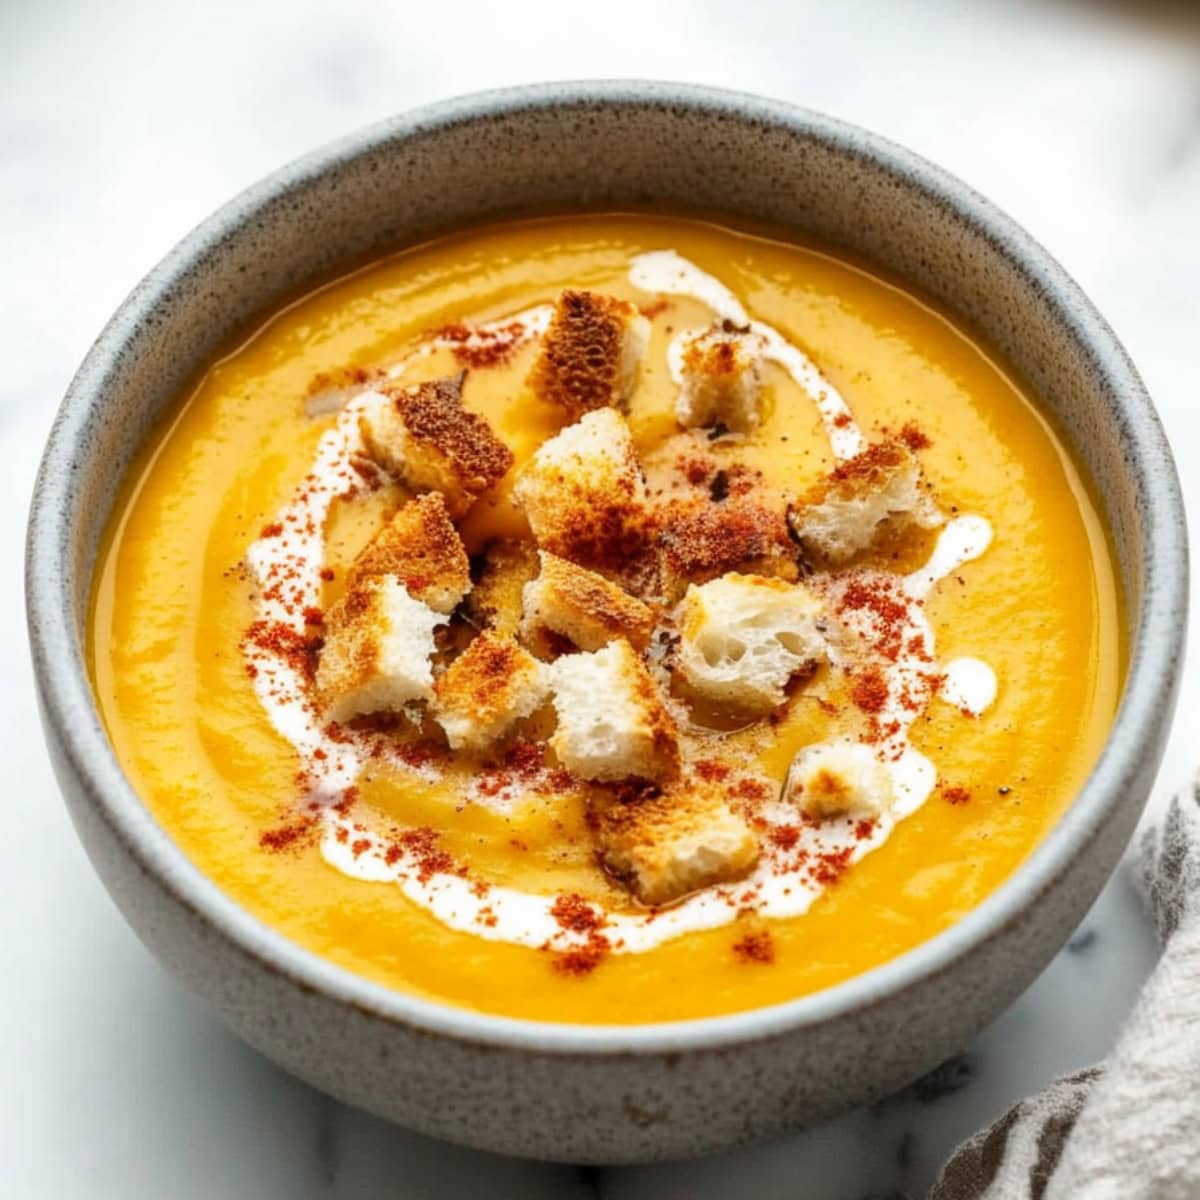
{"x": 670, "y": 273}
{"x": 781, "y": 885}
{"x": 969, "y": 685}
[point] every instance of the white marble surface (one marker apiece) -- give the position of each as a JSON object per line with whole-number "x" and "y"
{"x": 121, "y": 125}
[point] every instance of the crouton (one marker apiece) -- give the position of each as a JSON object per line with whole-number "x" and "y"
{"x": 424, "y": 436}
{"x": 590, "y": 354}
{"x": 612, "y": 723}
{"x": 584, "y": 607}
{"x": 378, "y": 640}
{"x": 838, "y": 779}
{"x": 702, "y": 539}
{"x": 421, "y": 547}
{"x": 667, "y": 844}
{"x": 842, "y": 515}
{"x": 583, "y": 494}
{"x": 721, "y": 370}
{"x": 496, "y": 600}
{"x": 486, "y": 690}
{"x": 743, "y": 637}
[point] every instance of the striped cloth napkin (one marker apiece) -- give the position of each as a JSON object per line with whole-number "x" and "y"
{"x": 1128, "y": 1129}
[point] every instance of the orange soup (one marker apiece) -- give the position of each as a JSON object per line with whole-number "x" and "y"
{"x": 607, "y": 619}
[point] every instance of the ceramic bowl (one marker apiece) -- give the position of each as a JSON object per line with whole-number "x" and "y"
{"x": 614, "y": 1093}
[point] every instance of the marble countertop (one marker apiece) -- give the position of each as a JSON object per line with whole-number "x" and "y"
{"x": 122, "y": 125}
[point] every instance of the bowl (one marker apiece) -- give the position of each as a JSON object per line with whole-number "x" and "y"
{"x": 605, "y": 1093}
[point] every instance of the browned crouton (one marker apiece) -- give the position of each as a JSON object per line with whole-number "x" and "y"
{"x": 590, "y": 353}
{"x": 421, "y": 547}
{"x": 425, "y": 436}
{"x": 722, "y": 378}
{"x": 584, "y": 607}
{"x": 842, "y": 515}
{"x": 702, "y": 540}
{"x": 584, "y": 497}
{"x": 612, "y": 723}
{"x": 378, "y": 642}
{"x": 665, "y": 844}
{"x": 486, "y": 690}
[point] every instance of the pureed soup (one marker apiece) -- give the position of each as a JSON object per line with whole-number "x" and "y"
{"x": 607, "y": 619}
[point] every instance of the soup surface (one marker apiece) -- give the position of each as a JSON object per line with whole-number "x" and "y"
{"x": 812, "y": 668}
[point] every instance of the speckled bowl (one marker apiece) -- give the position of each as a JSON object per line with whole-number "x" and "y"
{"x": 604, "y": 1094}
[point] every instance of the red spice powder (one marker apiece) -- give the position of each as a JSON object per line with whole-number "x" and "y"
{"x": 841, "y": 420}
{"x": 870, "y": 690}
{"x": 525, "y": 758}
{"x": 890, "y": 614}
{"x": 712, "y": 771}
{"x": 419, "y": 753}
{"x": 274, "y": 637}
{"x": 864, "y": 829}
{"x": 360, "y": 846}
{"x": 956, "y": 795}
{"x": 654, "y": 309}
{"x": 346, "y": 802}
{"x": 914, "y": 437}
{"x": 327, "y": 574}
{"x": 785, "y": 836}
{"x": 831, "y": 865}
{"x": 574, "y": 913}
{"x": 421, "y": 845}
{"x": 747, "y": 788}
{"x": 292, "y": 836}
{"x": 274, "y": 529}
{"x": 582, "y": 960}
{"x": 523, "y": 763}
{"x": 755, "y": 948}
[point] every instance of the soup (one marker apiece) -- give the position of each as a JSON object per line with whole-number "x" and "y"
{"x": 607, "y": 619}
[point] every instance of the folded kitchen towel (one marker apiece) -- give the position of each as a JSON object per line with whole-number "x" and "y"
{"x": 1128, "y": 1129}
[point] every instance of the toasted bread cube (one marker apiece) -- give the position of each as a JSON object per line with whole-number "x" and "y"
{"x": 497, "y": 598}
{"x": 743, "y": 637}
{"x": 590, "y": 353}
{"x": 838, "y": 779}
{"x": 424, "y": 436}
{"x": 612, "y": 723}
{"x": 666, "y": 845}
{"x": 583, "y": 494}
{"x": 702, "y": 540}
{"x": 721, "y": 370}
{"x": 421, "y": 547}
{"x": 490, "y": 686}
{"x": 842, "y": 515}
{"x": 584, "y": 607}
{"x": 378, "y": 641}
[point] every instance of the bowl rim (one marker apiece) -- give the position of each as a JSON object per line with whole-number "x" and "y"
{"x": 1155, "y": 649}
